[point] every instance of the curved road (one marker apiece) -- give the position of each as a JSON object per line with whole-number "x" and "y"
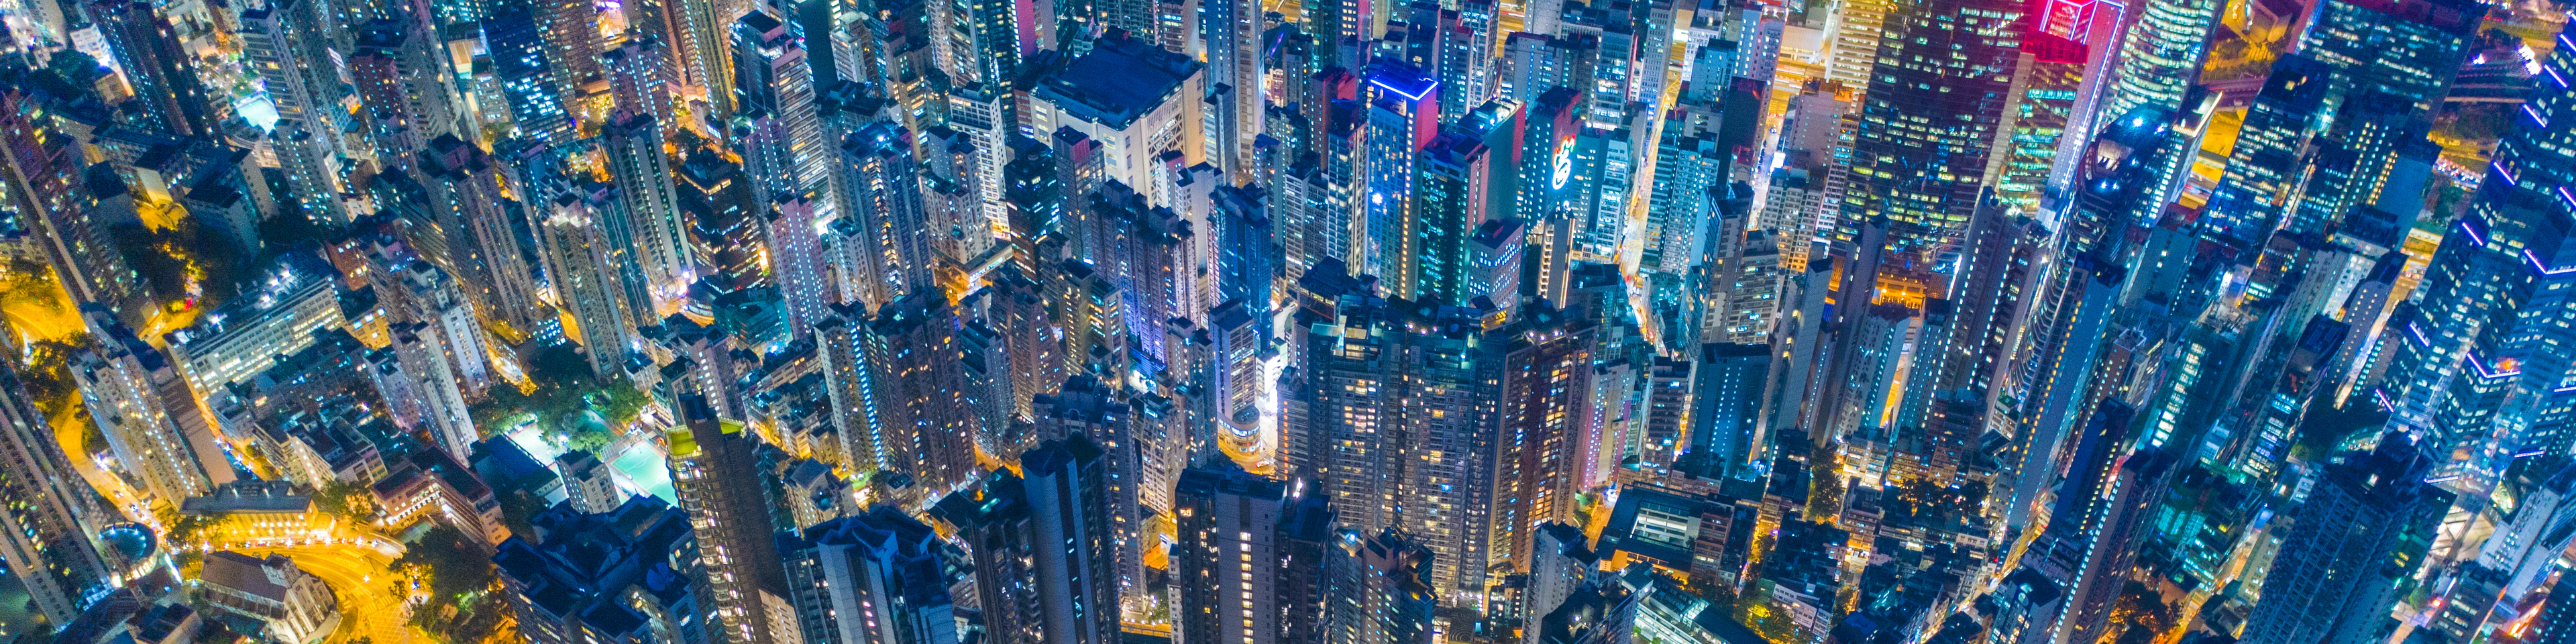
{"x": 71, "y": 429}
{"x": 362, "y": 578}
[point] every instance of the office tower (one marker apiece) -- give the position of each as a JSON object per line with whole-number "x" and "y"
{"x": 1380, "y": 592}
{"x": 2106, "y": 509}
{"x": 1533, "y": 63}
{"x": 153, "y": 62}
{"x": 2513, "y": 562}
{"x": 2357, "y": 364}
{"x": 992, "y": 34}
{"x": 1403, "y": 117}
{"x": 1161, "y": 111}
{"x": 715, "y": 471}
{"x": 277, "y": 40}
{"x": 2158, "y": 59}
{"x": 469, "y": 193}
{"x": 1857, "y": 33}
{"x": 585, "y": 284}
{"x": 916, "y": 385}
{"x": 724, "y": 216}
{"x": 1448, "y": 208}
{"x": 1605, "y": 62}
{"x": 1727, "y": 423}
{"x": 2046, "y": 103}
{"x": 787, "y": 151}
{"x": 1466, "y": 61}
{"x": 1953, "y": 68}
{"x": 1045, "y": 563}
{"x": 2364, "y": 527}
{"x": 2084, "y": 307}
{"x": 1498, "y": 246}
{"x": 878, "y": 577}
{"x": 2474, "y": 306}
{"x": 654, "y": 219}
{"x": 655, "y": 592}
{"x": 1595, "y": 194}
{"x": 50, "y": 527}
{"x": 884, "y": 201}
{"x": 1542, "y": 405}
{"x": 2534, "y": 158}
{"x": 2411, "y": 49}
{"x": 1225, "y": 566}
{"x": 1545, "y": 131}
{"x": 2263, "y": 167}
{"x": 522, "y": 62}
{"x": 2351, "y": 161}
{"x": 1246, "y": 267}
{"x": 149, "y": 414}
{"x": 1394, "y": 391}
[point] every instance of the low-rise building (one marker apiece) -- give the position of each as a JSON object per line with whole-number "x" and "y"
{"x": 295, "y": 606}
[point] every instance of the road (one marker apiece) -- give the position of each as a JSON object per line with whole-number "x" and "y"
{"x": 70, "y": 429}
{"x": 360, "y": 576}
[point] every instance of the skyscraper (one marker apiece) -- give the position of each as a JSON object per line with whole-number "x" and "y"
{"x": 1045, "y": 543}
{"x": 2369, "y": 520}
{"x": 278, "y": 40}
{"x": 1927, "y": 122}
{"x": 786, "y": 151}
{"x": 529, "y": 81}
{"x": 642, "y": 170}
{"x": 469, "y": 192}
{"x": 49, "y": 530}
{"x": 872, "y": 578}
{"x": 1395, "y": 392}
{"x": 150, "y": 57}
{"x": 1226, "y": 564}
{"x": 716, "y": 474}
{"x": 1447, "y": 208}
{"x": 152, "y": 419}
{"x": 916, "y": 382}
{"x": 883, "y": 198}
{"x": 585, "y": 284}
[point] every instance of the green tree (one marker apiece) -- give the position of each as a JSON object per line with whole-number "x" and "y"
{"x": 456, "y": 565}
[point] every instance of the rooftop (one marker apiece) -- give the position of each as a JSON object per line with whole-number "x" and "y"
{"x": 1120, "y": 80}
